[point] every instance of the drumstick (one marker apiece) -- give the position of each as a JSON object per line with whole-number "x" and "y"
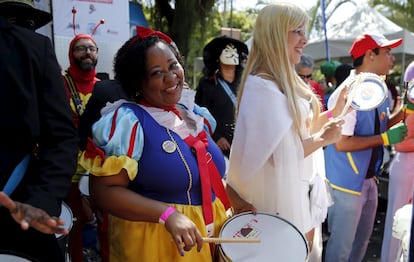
{"x": 230, "y": 240}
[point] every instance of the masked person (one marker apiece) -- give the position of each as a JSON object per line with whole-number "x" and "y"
{"x": 223, "y": 59}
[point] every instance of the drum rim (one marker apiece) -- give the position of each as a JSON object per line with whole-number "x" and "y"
{"x": 370, "y": 77}
{"x": 11, "y": 253}
{"x": 271, "y": 215}
{"x": 59, "y": 236}
{"x": 410, "y": 89}
{"x": 81, "y": 179}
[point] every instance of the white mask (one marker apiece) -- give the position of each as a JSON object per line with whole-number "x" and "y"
{"x": 229, "y": 55}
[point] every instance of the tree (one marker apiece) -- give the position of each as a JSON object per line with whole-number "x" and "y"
{"x": 400, "y": 12}
{"x": 191, "y": 24}
{"x": 179, "y": 18}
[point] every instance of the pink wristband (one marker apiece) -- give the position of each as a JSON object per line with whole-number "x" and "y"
{"x": 166, "y": 214}
{"x": 329, "y": 114}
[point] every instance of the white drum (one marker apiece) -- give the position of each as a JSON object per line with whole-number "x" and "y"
{"x": 12, "y": 258}
{"x": 280, "y": 240}
{"x": 67, "y": 216}
{"x": 84, "y": 185}
{"x": 367, "y": 91}
{"x": 410, "y": 91}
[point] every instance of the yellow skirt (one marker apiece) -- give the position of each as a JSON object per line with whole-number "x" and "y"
{"x": 144, "y": 241}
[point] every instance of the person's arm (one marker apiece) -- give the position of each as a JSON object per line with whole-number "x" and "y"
{"x": 328, "y": 134}
{"x": 392, "y": 136}
{"x": 356, "y": 143}
{"x": 329, "y": 114}
{"x": 111, "y": 194}
{"x": 238, "y": 204}
{"x": 56, "y": 157}
{"x": 30, "y": 216}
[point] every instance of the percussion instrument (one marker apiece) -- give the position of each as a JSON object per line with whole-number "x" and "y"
{"x": 366, "y": 91}
{"x": 401, "y": 228}
{"x": 410, "y": 91}
{"x": 279, "y": 239}
{"x": 12, "y": 258}
{"x": 84, "y": 185}
{"x": 67, "y": 216}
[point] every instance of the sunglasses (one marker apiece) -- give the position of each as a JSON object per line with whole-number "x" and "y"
{"x": 305, "y": 76}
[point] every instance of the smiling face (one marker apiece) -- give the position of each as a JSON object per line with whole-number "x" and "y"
{"x": 296, "y": 42}
{"x": 85, "y": 58}
{"x": 165, "y": 77}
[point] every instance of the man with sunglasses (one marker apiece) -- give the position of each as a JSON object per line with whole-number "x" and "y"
{"x": 80, "y": 79}
{"x": 305, "y": 69}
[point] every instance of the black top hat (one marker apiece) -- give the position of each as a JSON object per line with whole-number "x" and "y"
{"x": 213, "y": 49}
{"x": 25, "y": 9}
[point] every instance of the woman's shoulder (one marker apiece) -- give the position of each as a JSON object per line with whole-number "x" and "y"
{"x": 259, "y": 84}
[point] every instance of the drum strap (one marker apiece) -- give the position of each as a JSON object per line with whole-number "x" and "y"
{"x": 16, "y": 175}
{"x": 210, "y": 178}
{"x": 74, "y": 93}
{"x": 228, "y": 91}
{"x": 375, "y": 150}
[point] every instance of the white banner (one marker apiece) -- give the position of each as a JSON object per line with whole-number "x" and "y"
{"x": 45, "y": 6}
{"x": 88, "y": 15}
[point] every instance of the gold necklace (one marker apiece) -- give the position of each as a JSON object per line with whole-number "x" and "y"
{"x": 190, "y": 176}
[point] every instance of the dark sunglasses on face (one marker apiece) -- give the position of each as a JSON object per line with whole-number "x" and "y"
{"x": 305, "y": 76}
{"x": 83, "y": 48}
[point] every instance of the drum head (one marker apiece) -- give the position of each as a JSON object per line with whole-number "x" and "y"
{"x": 84, "y": 185}
{"x": 280, "y": 240}
{"x": 12, "y": 258}
{"x": 369, "y": 91}
{"x": 410, "y": 92}
{"x": 67, "y": 216}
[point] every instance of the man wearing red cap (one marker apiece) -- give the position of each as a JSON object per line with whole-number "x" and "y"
{"x": 353, "y": 162}
{"x": 79, "y": 81}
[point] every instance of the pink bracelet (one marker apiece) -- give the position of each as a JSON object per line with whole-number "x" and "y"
{"x": 329, "y": 114}
{"x": 166, "y": 214}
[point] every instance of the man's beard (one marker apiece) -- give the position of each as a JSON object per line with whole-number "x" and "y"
{"x": 86, "y": 67}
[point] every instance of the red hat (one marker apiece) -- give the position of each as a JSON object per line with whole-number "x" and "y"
{"x": 367, "y": 42}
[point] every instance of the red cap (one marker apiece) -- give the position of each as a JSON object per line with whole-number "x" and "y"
{"x": 366, "y": 42}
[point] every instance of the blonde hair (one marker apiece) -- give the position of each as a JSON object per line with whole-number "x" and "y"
{"x": 269, "y": 54}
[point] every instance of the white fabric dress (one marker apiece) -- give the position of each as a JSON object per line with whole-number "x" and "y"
{"x": 266, "y": 160}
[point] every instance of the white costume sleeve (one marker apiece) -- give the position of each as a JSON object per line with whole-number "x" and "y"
{"x": 267, "y": 157}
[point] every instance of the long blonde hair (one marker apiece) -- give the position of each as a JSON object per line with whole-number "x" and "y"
{"x": 269, "y": 54}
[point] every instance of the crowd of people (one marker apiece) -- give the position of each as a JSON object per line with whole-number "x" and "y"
{"x": 167, "y": 165}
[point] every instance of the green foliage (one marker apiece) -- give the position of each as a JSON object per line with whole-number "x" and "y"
{"x": 192, "y": 24}
{"x": 399, "y": 11}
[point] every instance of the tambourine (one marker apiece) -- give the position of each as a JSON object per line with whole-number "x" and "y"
{"x": 367, "y": 91}
{"x": 410, "y": 91}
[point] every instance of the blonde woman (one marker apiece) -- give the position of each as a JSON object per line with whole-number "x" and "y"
{"x": 279, "y": 124}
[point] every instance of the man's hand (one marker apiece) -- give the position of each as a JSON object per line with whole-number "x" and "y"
{"x": 395, "y": 134}
{"x": 29, "y": 216}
